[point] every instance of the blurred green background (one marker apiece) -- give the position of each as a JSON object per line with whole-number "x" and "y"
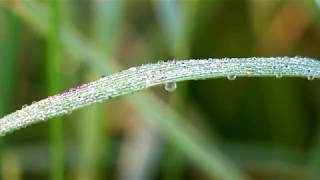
{"x": 253, "y": 128}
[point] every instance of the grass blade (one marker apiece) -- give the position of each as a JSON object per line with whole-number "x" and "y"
{"x": 54, "y": 85}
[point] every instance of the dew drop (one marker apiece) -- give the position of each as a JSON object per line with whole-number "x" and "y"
{"x": 310, "y": 77}
{"x": 248, "y": 72}
{"x": 231, "y": 77}
{"x": 132, "y": 69}
{"x": 170, "y": 86}
{"x": 278, "y": 75}
{"x": 24, "y": 125}
{"x": 24, "y": 106}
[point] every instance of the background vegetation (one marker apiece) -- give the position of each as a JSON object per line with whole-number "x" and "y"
{"x": 254, "y": 128}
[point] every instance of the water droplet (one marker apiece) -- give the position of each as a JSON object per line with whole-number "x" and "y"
{"x": 310, "y": 77}
{"x": 170, "y": 86}
{"x": 248, "y": 72}
{"x": 24, "y": 106}
{"x": 24, "y": 125}
{"x": 278, "y": 75}
{"x": 231, "y": 77}
{"x": 132, "y": 69}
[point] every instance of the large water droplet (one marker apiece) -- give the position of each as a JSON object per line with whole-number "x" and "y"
{"x": 24, "y": 125}
{"x": 248, "y": 72}
{"x": 310, "y": 77}
{"x": 170, "y": 86}
{"x": 278, "y": 75}
{"x": 231, "y": 77}
{"x": 132, "y": 69}
{"x": 69, "y": 112}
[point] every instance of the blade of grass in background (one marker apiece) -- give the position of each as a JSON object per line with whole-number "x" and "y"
{"x": 286, "y": 109}
{"x": 176, "y": 19}
{"x": 313, "y": 7}
{"x": 54, "y": 86}
{"x": 212, "y": 161}
{"x": 9, "y": 51}
{"x": 314, "y": 157}
{"x": 286, "y": 102}
{"x": 8, "y": 64}
{"x": 107, "y": 18}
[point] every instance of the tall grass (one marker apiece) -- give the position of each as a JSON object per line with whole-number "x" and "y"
{"x": 56, "y": 133}
{"x": 94, "y": 135}
{"x": 9, "y": 48}
{"x": 176, "y": 20}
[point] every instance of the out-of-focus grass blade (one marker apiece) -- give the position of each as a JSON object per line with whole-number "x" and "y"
{"x": 209, "y": 158}
{"x": 54, "y": 86}
{"x": 176, "y": 20}
{"x": 212, "y": 161}
{"x": 107, "y": 24}
{"x": 313, "y": 6}
{"x": 107, "y": 18}
{"x": 9, "y": 51}
{"x": 8, "y": 65}
{"x": 314, "y": 160}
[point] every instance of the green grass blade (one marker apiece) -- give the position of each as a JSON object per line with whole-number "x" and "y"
{"x": 9, "y": 45}
{"x": 176, "y": 21}
{"x": 54, "y": 85}
{"x": 9, "y": 48}
{"x": 93, "y": 136}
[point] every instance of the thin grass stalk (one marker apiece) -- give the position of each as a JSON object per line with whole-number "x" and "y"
{"x": 9, "y": 48}
{"x": 54, "y": 85}
{"x": 93, "y": 133}
{"x": 314, "y": 158}
{"x": 176, "y": 20}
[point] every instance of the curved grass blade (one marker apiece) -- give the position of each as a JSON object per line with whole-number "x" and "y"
{"x": 139, "y": 78}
